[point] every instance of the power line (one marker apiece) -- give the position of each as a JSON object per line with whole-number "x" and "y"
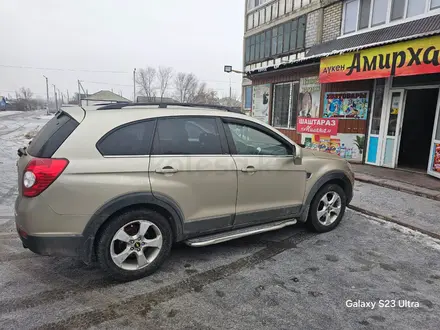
{"x": 59, "y": 69}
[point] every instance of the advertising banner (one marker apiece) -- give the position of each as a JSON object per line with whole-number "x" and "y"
{"x": 260, "y": 102}
{"x": 414, "y": 57}
{"x": 436, "y": 162}
{"x": 346, "y": 105}
{"x": 317, "y": 126}
{"x": 309, "y": 97}
{"x": 347, "y": 146}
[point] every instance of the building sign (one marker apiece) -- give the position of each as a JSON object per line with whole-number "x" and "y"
{"x": 420, "y": 56}
{"x": 346, "y": 105}
{"x": 310, "y": 97}
{"x": 320, "y": 126}
{"x": 260, "y": 102}
{"x": 348, "y": 146}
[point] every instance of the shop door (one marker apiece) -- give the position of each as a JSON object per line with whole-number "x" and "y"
{"x": 434, "y": 159}
{"x": 392, "y": 128}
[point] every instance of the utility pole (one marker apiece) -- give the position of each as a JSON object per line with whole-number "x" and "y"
{"x": 47, "y": 94}
{"x": 134, "y": 85}
{"x": 62, "y": 97}
{"x": 55, "y": 93}
{"x": 230, "y": 90}
{"x": 79, "y": 93}
{"x": 68, "y": 99}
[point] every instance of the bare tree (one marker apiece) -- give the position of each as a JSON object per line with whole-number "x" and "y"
{"x": 186, "y": 86}
{"x": 24, "y": 99}
{"x": 146, "y": 79}
{"x": 164, "y": 77}
{"x": 205, "y": 95}
{"x": 26, "y": 93}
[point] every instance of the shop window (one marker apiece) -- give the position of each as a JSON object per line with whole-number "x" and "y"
{"x": 248, "y": 97}
{"x": 397, "y": 9}
{"x": 377, "y": 107}
{"x": 437, "y": 135}
{"x": 285, "y": 105}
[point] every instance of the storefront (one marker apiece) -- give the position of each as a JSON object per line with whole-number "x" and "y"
{"x": 403, "y": 117}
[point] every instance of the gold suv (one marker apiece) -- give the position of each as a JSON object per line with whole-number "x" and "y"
{"x": 121, "y": 183}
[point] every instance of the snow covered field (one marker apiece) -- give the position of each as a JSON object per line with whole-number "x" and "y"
{"x": 14, "y": 126}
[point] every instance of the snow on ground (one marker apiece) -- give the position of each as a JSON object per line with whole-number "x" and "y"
{"x": 13, "y": 131}
{"x": 8, "y": 113}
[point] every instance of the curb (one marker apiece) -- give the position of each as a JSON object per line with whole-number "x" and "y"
{"x": 390, "y": 186}
{"x": 385, "y": 218}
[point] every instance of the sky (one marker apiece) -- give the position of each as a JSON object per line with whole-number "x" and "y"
{"x": 100, "y": 42}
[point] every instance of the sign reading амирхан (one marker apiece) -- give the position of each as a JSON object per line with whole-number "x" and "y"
{"x": 419, "y": 56}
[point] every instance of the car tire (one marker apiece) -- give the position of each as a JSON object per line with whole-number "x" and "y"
{"x": 326, "y": 217}
{"x": 121, "y": 238}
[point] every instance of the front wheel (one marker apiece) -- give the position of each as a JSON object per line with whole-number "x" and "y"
{"x": 327, "y": 208}
{"x": 134, "y": 244}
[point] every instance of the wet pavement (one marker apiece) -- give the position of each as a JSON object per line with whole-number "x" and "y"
{"x": 281, "y": 280}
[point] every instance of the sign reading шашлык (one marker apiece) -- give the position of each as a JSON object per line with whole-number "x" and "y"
{"x": 420, "y": 56}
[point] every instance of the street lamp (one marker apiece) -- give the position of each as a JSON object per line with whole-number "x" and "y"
{"x": 228, "y": 69}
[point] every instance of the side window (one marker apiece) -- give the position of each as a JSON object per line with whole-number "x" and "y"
{"x": 128, "y": 140}
{"x": 250, "y": 141}
{"x": 187, "y": 136}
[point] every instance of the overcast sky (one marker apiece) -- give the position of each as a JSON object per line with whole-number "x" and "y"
{"x": 76, "y": 37}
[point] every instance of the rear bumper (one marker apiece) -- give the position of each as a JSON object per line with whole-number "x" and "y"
{"x": 66, "y": 246}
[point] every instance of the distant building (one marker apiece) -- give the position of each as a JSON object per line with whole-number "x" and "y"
{"x": 103, "y": 97}
{"x": 145, "y": 99}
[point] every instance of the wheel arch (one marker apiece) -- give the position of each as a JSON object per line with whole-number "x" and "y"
{"x": 336, "y": 177}
{"x": 162, "y": 204}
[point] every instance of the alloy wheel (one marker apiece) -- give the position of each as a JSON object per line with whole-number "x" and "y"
{"x": 136, "y": 245}
{"x": 329, "y": 208}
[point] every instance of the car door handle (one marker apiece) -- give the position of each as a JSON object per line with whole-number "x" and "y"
{"x": 249, "y": 169}
{"x": 166, "y": 170}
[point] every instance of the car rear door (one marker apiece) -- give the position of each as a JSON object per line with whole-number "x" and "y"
{"x": 191, "y": 167}
{"x": 270, "y": 185}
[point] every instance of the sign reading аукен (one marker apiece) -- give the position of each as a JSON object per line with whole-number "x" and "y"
{"x": 320, "y": 126}
{"x": 419, "y": 56}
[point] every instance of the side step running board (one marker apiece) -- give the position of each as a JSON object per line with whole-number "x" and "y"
{"x": 238, "y": 233}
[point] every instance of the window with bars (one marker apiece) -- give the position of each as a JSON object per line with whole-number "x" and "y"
{"x": 285, "y": 105}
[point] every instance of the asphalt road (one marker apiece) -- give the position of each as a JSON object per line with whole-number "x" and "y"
{"x": 289, "y": 279}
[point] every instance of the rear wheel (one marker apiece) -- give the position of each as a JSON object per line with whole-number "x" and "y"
{"x": 134, "y": 244}
{"x": 327, "y": 208}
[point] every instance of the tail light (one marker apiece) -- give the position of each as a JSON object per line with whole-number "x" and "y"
{"x": 40, "y": 173}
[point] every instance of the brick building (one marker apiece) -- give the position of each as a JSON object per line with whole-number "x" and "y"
{"x": 366, "y": 66}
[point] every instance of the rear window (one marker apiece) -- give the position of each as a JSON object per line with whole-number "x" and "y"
{"x": 132, "y": 139}
{"x": 52, "y": 135}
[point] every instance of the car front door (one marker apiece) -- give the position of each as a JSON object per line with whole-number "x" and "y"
{"x": 270, "y": 185}
{"x": 192, "y": 167}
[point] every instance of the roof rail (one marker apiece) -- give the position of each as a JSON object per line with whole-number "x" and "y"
{"x": 164, "y": 105}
